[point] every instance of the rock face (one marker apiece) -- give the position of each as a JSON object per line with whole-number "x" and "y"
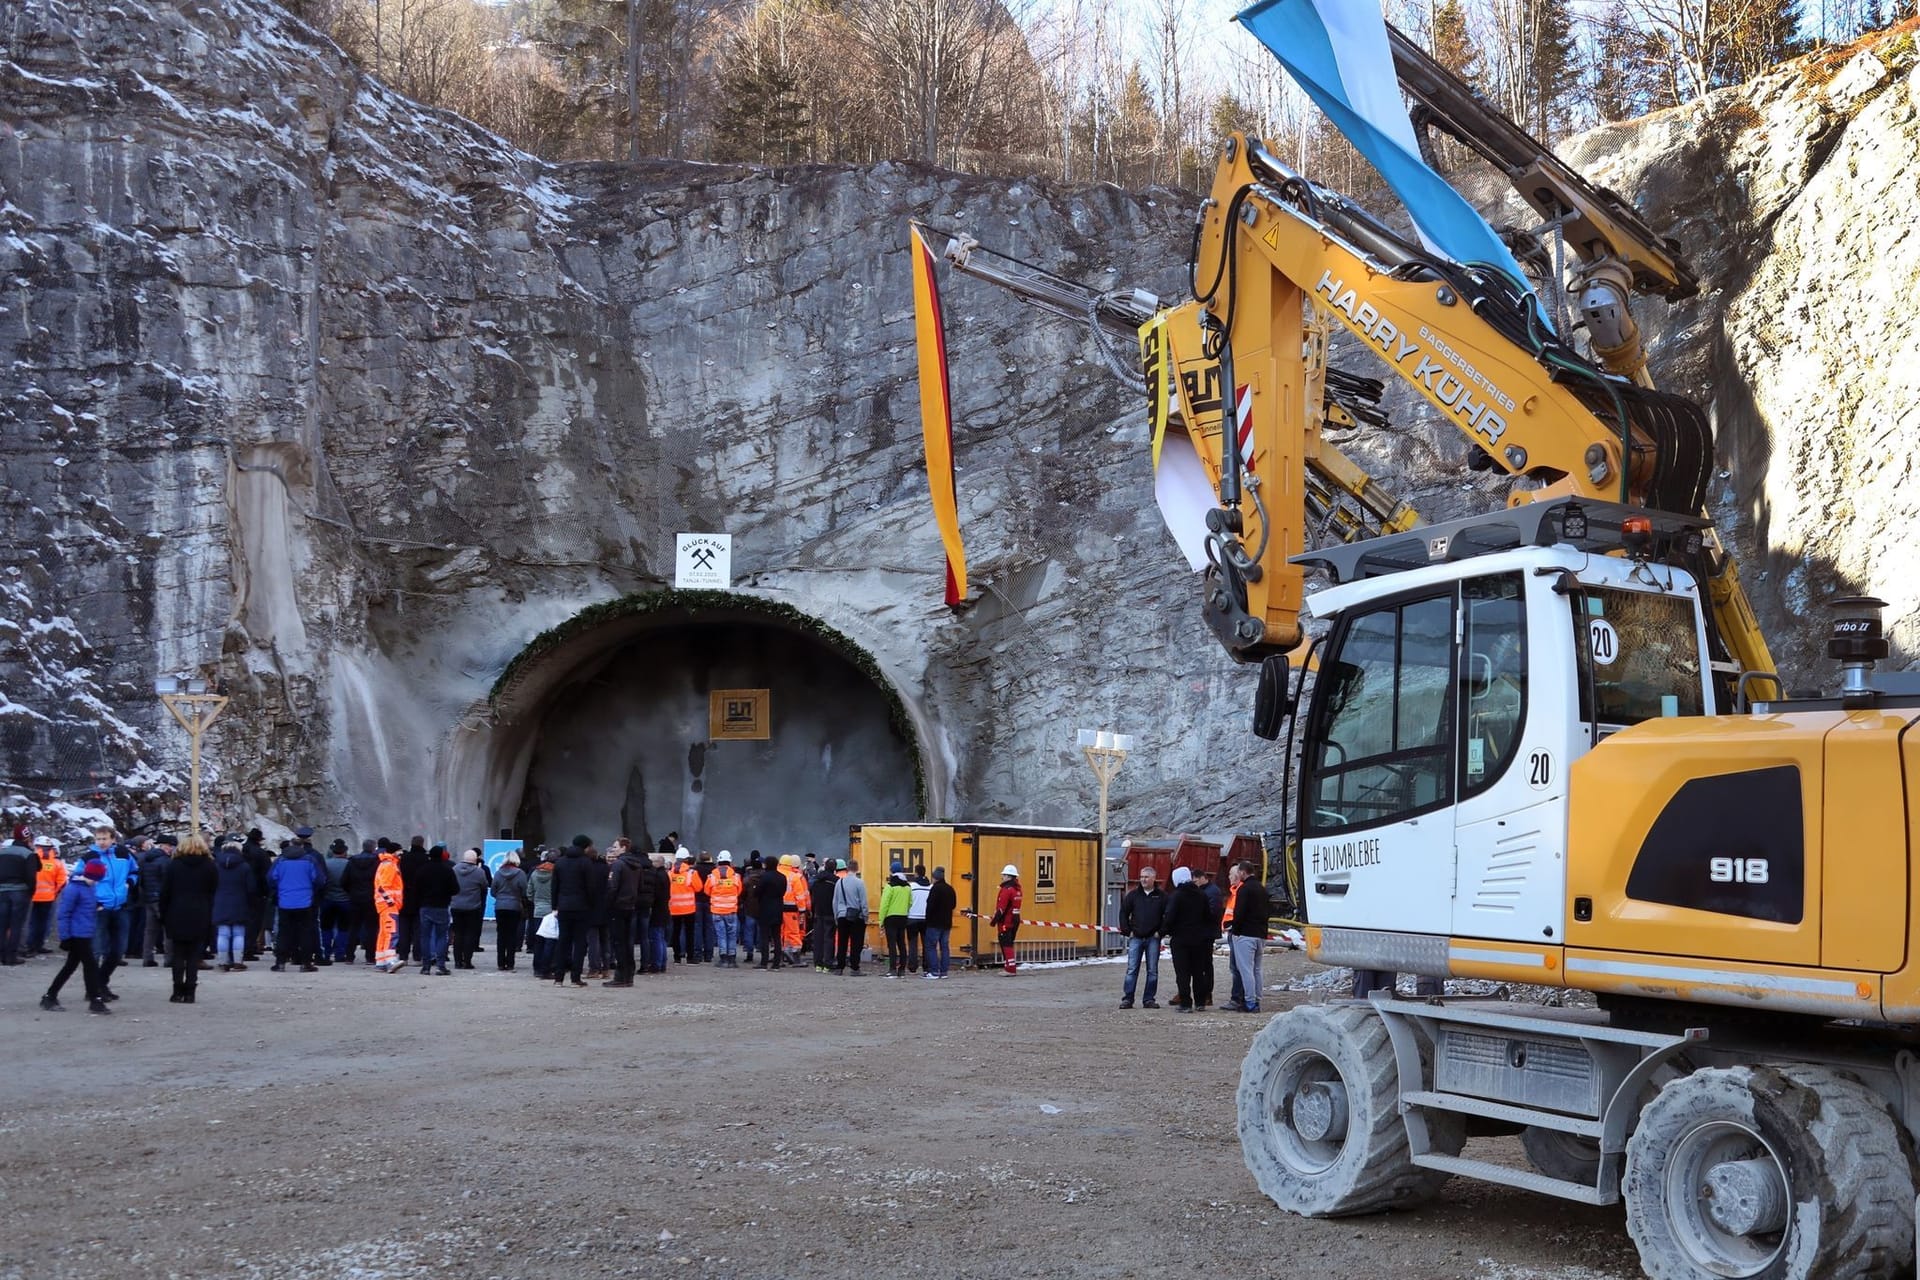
{"x": 346, "y": 402}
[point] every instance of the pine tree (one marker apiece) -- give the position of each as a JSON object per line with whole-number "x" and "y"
{"x": 764, "y": 116}
{"x": 1453, "y": 44}
{"x": 1552, "y": 71}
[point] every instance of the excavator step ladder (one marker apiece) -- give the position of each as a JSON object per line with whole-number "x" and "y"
{"x": 1563, "y": 1070}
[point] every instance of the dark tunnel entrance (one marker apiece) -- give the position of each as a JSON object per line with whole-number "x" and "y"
{"x": 625, "y": 743}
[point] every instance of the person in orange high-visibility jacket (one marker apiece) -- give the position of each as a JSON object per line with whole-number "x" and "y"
{"x": 723, "y": 902}
{"x": 684, "y": 886}
{"x": 48, "y": 880}
{"x": 1226, "y": 926}
{"x": 798, "y": 906}
{"x": 387, "y": 899}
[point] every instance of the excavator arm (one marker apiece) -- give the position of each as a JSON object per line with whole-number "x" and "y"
{"x": 1332, "y": 497}
{"x": 1275, "y": 248}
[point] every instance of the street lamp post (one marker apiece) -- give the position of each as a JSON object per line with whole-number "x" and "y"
{"x": 196, "y": 705}
{"x": 1105, "y": 753}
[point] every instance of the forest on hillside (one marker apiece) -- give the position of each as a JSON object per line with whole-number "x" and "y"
{"x": 1135, "y": 94}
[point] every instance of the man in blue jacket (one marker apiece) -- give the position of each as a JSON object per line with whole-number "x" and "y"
{"x": 118, "y": 894}
{"x": 297, "y": 885}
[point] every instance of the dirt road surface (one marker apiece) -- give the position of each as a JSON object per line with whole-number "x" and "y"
{"x": 708, "y": 1123}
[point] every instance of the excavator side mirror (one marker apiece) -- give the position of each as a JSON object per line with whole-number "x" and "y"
{"x": 1272, "y": 702}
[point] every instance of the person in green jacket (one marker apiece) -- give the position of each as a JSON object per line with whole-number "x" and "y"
{"x": 896, "y": 899}
{"x": 540, "y": 894}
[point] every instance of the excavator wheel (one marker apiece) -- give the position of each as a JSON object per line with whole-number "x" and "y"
{"x": 1774, "y": 1172}
{"x": 1320, "y": 1122}
{"x": 1567, "y": 1156}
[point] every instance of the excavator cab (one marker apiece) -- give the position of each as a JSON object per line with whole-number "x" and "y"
{"x": 1454, "y": 696}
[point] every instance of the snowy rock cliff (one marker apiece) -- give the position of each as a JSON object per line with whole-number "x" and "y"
{"x": 346, "y": 402}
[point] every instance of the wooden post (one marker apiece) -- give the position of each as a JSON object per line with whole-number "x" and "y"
{"x": 196, "y": 712}
{"x": 1105, "y": 762}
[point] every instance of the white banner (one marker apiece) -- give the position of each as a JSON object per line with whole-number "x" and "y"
{"x": 703, "y": 560}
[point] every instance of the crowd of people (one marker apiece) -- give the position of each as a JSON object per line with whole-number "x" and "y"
{"x": 580, "y": 913}
{"x": 1190, "y": 921}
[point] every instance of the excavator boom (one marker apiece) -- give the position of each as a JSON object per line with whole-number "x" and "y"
{"x": 1596, "y": 223}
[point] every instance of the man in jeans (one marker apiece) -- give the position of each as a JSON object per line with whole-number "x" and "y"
{"x": 849, "y": 921}
{"x": 118, "y": 893}
{"x": 1248, "y": 934}
{"x": 941, "y": 902}
{"x": 1142, "y": 919}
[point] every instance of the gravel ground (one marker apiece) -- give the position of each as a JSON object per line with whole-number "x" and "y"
{"x": 709, "y": 1123}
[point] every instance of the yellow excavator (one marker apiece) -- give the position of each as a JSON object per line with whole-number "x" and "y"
{"x": 1544, "y": 746}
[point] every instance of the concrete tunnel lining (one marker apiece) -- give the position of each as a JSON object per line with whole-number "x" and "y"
{"x": 497, "y": 749}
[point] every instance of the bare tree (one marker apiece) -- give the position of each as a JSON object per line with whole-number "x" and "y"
{"x": 1712, "y": 43}
{"x": 1169, "y": 21}
{"x": 933, "y": 58}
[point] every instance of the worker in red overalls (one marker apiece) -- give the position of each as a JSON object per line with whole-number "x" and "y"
{"x": 1006, "y": 913}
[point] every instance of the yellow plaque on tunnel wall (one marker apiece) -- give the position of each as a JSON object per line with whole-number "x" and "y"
{"x": 738, "y": 715}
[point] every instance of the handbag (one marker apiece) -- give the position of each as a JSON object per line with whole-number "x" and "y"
{"x": 549, "y": 926}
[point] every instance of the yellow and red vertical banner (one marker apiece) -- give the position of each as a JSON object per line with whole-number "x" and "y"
{"x": 936, "y": 414}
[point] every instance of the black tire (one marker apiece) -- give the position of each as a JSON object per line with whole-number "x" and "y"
{"x": 1848, "y": 1189}
{"x": 1365, "y": 1169}
{"x": 1558, "y": 1154}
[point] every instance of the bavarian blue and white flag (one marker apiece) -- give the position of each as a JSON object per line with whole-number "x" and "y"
{"x": 1337, "y": 51}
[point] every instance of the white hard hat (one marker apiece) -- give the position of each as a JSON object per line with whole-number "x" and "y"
{"x": 1009, "y": 870}
{"x": 724, "y": 857}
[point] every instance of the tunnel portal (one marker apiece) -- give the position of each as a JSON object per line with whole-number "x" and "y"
{"x": 626, "y": 741}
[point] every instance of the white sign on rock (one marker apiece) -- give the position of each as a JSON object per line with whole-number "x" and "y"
{"x": 703, "y": 560}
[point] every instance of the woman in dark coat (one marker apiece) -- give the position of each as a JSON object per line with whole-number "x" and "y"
{"x": 234, "y": 896}
{"x": 186, "y": 913}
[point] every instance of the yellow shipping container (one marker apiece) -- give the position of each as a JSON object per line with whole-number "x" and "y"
{"x": 1059, "y": 872}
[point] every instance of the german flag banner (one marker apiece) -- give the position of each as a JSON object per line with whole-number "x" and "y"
{"x": 936, "y": 414}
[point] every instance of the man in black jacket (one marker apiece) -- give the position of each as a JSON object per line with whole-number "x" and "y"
{"x": 628, "y": 883}
{"x": 19, "y": 870}
{"x": 1248, "y": 934}
{"x": 655, "y": 918}
{"x": 1143, "y": 914}
{"x": 579, "y": 884}
{"x": 769, "y": 906}
{"x": 434, "y": 886}
{"x": 820, "y": 887}
{"x": 154, "y": 858}
{"x": 1190, "y": 929}
{"x": 406, "y": 935}
{"x": 941, "y": 902}
{"x": 259, "y": 861}
{"x": 358, "y": 880}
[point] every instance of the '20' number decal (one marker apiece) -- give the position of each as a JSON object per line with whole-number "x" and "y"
{"x": 1540, "y": 770}
{"x": 1737, "y": 870}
